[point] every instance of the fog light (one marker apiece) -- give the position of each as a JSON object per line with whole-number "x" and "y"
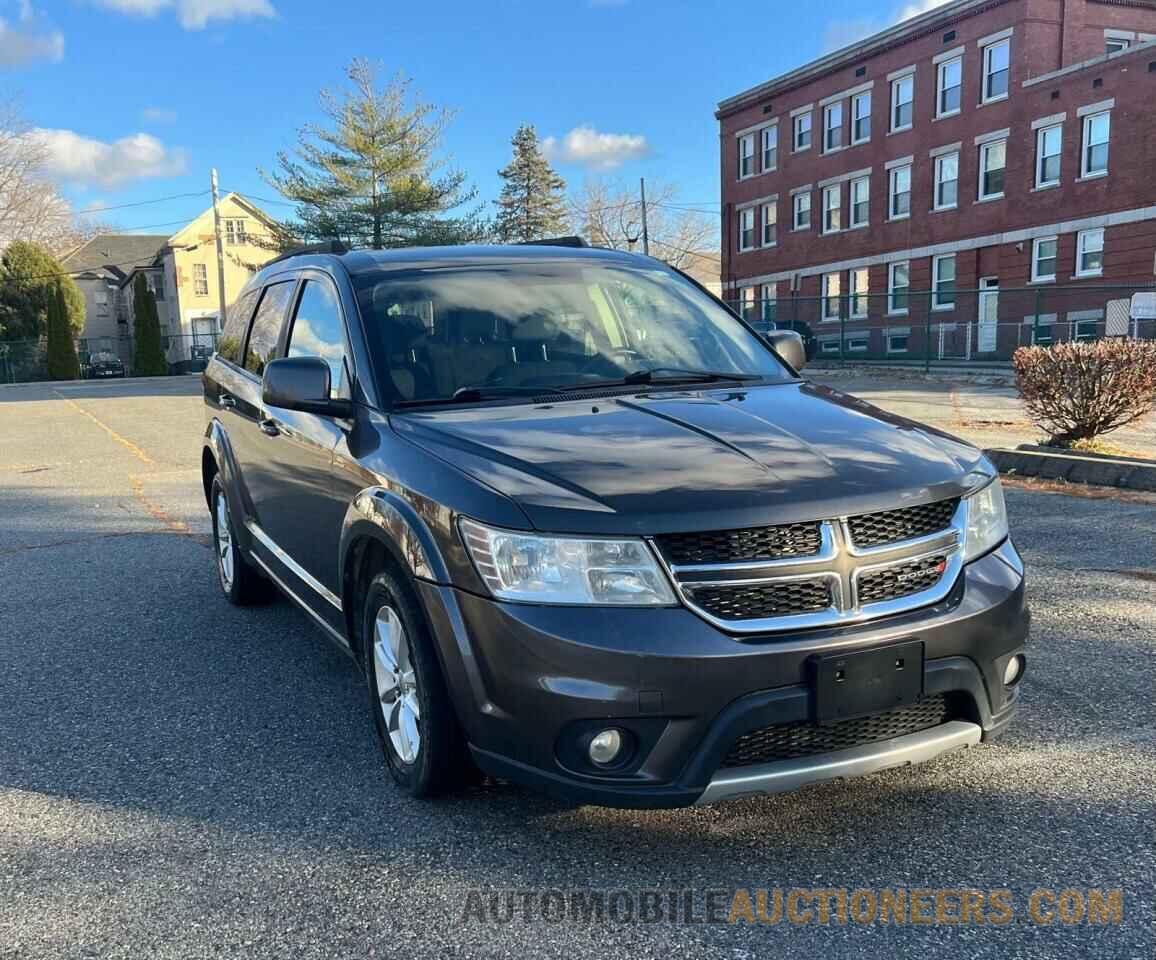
{"x": 605, "y": 747}
{"x": 1013, "y": 670}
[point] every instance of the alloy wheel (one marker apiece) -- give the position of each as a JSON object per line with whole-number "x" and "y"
{"x": 397, "y": 686}
{"x": 224, "y": 539}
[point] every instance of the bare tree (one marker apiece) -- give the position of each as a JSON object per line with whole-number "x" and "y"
{"x": 609, "y": 214}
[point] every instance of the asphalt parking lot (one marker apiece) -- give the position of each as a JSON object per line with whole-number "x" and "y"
{"x": 181, "y": 778}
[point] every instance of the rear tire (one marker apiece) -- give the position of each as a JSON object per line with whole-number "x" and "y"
{"x": 240, "y": 582}
{"x": 417, "y": 728}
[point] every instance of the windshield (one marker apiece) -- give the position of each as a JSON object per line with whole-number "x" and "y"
{"x": 514, "y": 327}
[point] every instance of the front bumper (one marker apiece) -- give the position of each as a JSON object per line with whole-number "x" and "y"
{"x": 528, "y": 682}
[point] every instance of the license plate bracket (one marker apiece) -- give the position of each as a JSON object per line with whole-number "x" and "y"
{"x": 848, "y": 685}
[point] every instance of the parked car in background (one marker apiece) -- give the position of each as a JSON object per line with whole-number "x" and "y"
{"x": 585, "y": 529}
{"x": 103, "y": 364}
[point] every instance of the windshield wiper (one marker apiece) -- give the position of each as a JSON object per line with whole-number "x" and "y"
{"x": 680, "y": 375}
{"x": 474, "y": 394}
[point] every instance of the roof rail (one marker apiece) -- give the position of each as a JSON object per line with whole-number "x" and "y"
{"x": 325, "y": 246}
{"x": 554, "y": 242}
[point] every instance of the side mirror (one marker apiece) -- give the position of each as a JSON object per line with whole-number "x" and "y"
{"x": 788, "y": 345}
{"x": 301, "y": 383}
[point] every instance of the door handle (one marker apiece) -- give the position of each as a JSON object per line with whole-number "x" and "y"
{"x": 226, "y": 401}
{"x": 269, "y": 428}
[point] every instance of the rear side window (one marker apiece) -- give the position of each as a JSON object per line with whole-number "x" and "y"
{"x": 229, "y": 345}
{"x": 318, "y": 331}
{"x": 266, "y": 329}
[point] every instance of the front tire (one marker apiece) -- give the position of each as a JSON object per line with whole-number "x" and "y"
{"x": 416, "y": 726}
{"x": 240, "y": 582}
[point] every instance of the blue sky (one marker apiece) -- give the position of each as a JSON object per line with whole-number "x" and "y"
{"x": 140, "y": 98}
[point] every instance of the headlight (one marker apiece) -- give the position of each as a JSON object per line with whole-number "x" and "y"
{"x": 986, "y": 519}
{"x": 534, "y": 569}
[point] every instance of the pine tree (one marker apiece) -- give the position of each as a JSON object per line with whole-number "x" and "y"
{"x": 371, "y": 178}
{"x": 532, "y": 204}
{"x": 62, "y": 362}
{"x": 148, "y": 353}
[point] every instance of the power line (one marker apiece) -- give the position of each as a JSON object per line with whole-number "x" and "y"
{"x": 141, "y": 203}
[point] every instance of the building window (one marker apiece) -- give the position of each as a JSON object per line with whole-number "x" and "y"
{"x": 857, "y": 282}
{"x": 898, "y": 285}
{"x": 861, "y": 117}
{"x": 803, "y": 131}
{"x": 943, "y": 278}
{"x": 897, "y": 341}
{"x": 829, "y": 345}
{"x": 200, "y": 280}
{"x": 832, "y": 208}
{"x": 1087, "y": 330}
{"x": 946, "y": 181}
{"x": 1049, "y": 143}
{"x": 1042, "y": 333}
{"x": 770, "y": 147}
{"x": 856, "y": 344}
{"x": 860, "y": 201}
{"x": 1095, "y": 152}
{"x": 747, "y": 303}
{"x": 770, "y": 224}
{"x": 1090, "y": 252}
{"x": 949, "y": 87}
{"x": 235, "y": 232}
{"x": 831, "y": 292}
{"x": 992, "y": 161}
{"x": 770, "y": 313}
{"x": 902, "y": 102}
{"x": 156, "y": 282}
{"x": 746, "y": 155}
{"x": 996, "y": 62}
{"x": 802, "y": 211}
{"x": 1044, "y": 259}
{"x": 900, "y": 192}
{"x": 832, "y": 126}
{"x": 1116, "y": 41}
{"x": 746, "y": 229}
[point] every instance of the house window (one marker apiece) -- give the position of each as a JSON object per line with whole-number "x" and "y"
{"x": 857, "y": 289}
{"x": 860, "y": 201}
{"x": 833, "y": 126}
{"x": 770, "y": 147}
{"x": 946, "y": 181}
{"x": 898, "y": 285}
{"x": 770, "y": 224}
{"x": 832, "y": 208}
{"x": 992, "y": 161}
{"x": 235, "y": 232}
{"x": 1049, "y": 143}
{"x": 802, "y": 131}
{"x": 902, "y": 102}
{"x": 861, "y": 117}
{"x": 1043, "y": 259}
{"x": 1095, "y": 152}
{"x": 856, "y": 344}
{"x": 949, "y": 87}
{"x": 746, "y": 155}
{"x": 746, "y": 229}
{"x": 831, "y": 291}
{"x": 747, "y": 303}
{"x": 770, "y": 313}
{"x": 1090, "y": 252}
{"x": 943, "y": 277}
{"x": 996, "y": 61}
{"x": 900, "y": 192}
{"x": 897, "y": 341}
{"x": 200, "y": 280}
{"x": 802, "y": 211}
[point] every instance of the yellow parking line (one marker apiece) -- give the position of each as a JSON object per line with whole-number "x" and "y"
{"x": 132, "y": 447}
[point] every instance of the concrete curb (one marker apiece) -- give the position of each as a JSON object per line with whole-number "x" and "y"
{"x": 983, "y": 377}
{"x": 1076, "y": 468}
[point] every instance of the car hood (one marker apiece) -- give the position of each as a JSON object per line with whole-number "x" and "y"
{"x": 695, "y": 460}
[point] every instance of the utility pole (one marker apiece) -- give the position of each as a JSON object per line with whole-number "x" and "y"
{"x": 220, "y": 250}
{"x": 645, "y": 234}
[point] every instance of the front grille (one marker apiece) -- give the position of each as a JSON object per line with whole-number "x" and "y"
{"x": 874, "y": 529}
{"x": 793, "y": 740}
{"x": 737, "y": 546}
{"x": 756, "y": 601}
{"x": 901, "y": 580}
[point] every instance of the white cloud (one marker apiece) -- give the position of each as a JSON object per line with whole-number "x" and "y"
{"x": 842, "y": 33}
{"x": 600, "y": 151}
{"x": 19, "y": 47}
{"x": 194, "y": 14}
{"x": 158, "y": 115}
{"x": 85, "y": 161}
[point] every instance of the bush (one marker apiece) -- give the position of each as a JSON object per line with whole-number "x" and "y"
{"x": 149, "y": 355}
{"x": 62, "y": 362}
{"x": 1077, "y": 391}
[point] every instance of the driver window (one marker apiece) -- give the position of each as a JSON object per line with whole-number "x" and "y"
{"x": 319, "y": 331}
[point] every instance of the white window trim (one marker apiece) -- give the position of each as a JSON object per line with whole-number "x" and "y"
{"x": 864, "y": 335}
{"x": 985, "y": 53}
{"x": 902, "y": 75}
{"x": 1088, "y": 117}
{"x": 982, "y": 197}
{"x": 1081, "y": 274}
{"x": 935, "y": 262}
{"x": 897, "y": 311}
{"x": 772, "y": 202}
{"x": 749, "y": 208}
{"x": 827, "y": 110}
{"x": 853, "y": 294}
{"x": 739, "y": 156}
{"x": 1039, "y": 278}
{"x": 848, "y": 93}
{"x": 852, "y": 223}
{"x": 795, "y": 148}
{"x": 892, "y": 172}
{"x": 870, "y": 116}
{"x": 941, "y": 63}
{"x": 1041, "y": 132}
{"x": 824, "y": 296}
{"x": 794, "y": 210}
{"x": 760, "y": 133}
{"x": 896, "y": 332}
{"x": 936, "y": 206}
{"x": 838, "y": 193}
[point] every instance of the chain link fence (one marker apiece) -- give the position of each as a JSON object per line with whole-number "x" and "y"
{"x": 26, "y": 361}
{"x": 948, "y": 326}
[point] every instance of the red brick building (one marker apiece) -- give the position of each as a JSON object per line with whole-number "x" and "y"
{"x": 974, "y": 178}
